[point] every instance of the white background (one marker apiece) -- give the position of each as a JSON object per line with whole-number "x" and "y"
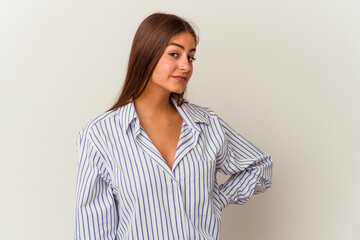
{"x": 285, "y": 74}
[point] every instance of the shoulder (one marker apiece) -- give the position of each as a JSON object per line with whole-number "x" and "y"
{"x": 198, "y": 112}
{"x": 97, "y": 122}
{"x": 213, "y": 120}
{"x": 203, "y": 109}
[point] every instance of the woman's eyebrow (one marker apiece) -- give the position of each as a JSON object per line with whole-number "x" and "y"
{"x": 182, "y": 47}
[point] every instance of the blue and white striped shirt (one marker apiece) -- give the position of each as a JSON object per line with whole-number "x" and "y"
{"x": 125, "y": 189}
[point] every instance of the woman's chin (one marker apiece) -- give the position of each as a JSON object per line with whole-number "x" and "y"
{"x": 179, "y": 91}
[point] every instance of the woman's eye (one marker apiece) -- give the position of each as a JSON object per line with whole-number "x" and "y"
{"x": 191, "y": 59}
{"x": 174, "y": 54}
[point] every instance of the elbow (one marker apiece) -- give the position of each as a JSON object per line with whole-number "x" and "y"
{"x": 265, "y": 176}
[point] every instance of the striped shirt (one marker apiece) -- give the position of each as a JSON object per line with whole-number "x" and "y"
{"x": 125, "y": 189}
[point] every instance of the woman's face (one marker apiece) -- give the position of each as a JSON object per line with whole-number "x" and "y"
{"x": 175, "y": 66}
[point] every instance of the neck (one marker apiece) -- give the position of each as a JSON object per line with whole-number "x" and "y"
{"x": 153, "y": 102}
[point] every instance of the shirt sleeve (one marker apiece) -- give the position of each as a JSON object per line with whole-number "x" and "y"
{"x": 250, "y": 168}
{"x": 95, "y": 209}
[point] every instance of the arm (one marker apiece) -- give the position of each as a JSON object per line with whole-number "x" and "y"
{"x": 95, "y": 210}
{"x": 249, "y": 167}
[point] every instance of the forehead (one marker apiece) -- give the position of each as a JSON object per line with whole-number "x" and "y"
{"x": 185, "y": 39}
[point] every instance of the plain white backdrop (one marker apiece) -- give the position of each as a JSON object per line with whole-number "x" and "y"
{"x": 285, "y": 74}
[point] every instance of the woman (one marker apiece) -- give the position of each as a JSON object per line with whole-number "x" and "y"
{"x": 147, "y": 167}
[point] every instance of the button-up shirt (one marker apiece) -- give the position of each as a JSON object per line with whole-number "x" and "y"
{"x": 126, "y": 190}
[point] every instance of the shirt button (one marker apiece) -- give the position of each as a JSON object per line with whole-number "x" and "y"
{"x": 181, "y": 238}
{"x": 174, "y": 182}
{"x": 177, "y": 211}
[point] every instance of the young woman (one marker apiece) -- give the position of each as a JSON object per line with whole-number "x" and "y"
{"x": 147, "y": 167}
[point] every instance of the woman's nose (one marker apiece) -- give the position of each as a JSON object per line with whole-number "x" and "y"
{"x": 185, "y": 64}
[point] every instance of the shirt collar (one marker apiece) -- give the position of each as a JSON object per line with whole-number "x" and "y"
{"x": 126, "y": 115}
{"x": 190, "y": 113}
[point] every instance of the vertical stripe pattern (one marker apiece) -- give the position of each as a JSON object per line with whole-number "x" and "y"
{"x": 125, "y": 189}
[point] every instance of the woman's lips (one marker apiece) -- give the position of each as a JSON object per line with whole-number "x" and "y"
{"x": 181, "y": 78}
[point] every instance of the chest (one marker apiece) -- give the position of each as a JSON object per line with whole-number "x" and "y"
{"x": 138, "y": 168}
{"x": 165, "y": 137}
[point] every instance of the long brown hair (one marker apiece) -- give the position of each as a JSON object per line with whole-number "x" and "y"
{"x": 150, "y": 41}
